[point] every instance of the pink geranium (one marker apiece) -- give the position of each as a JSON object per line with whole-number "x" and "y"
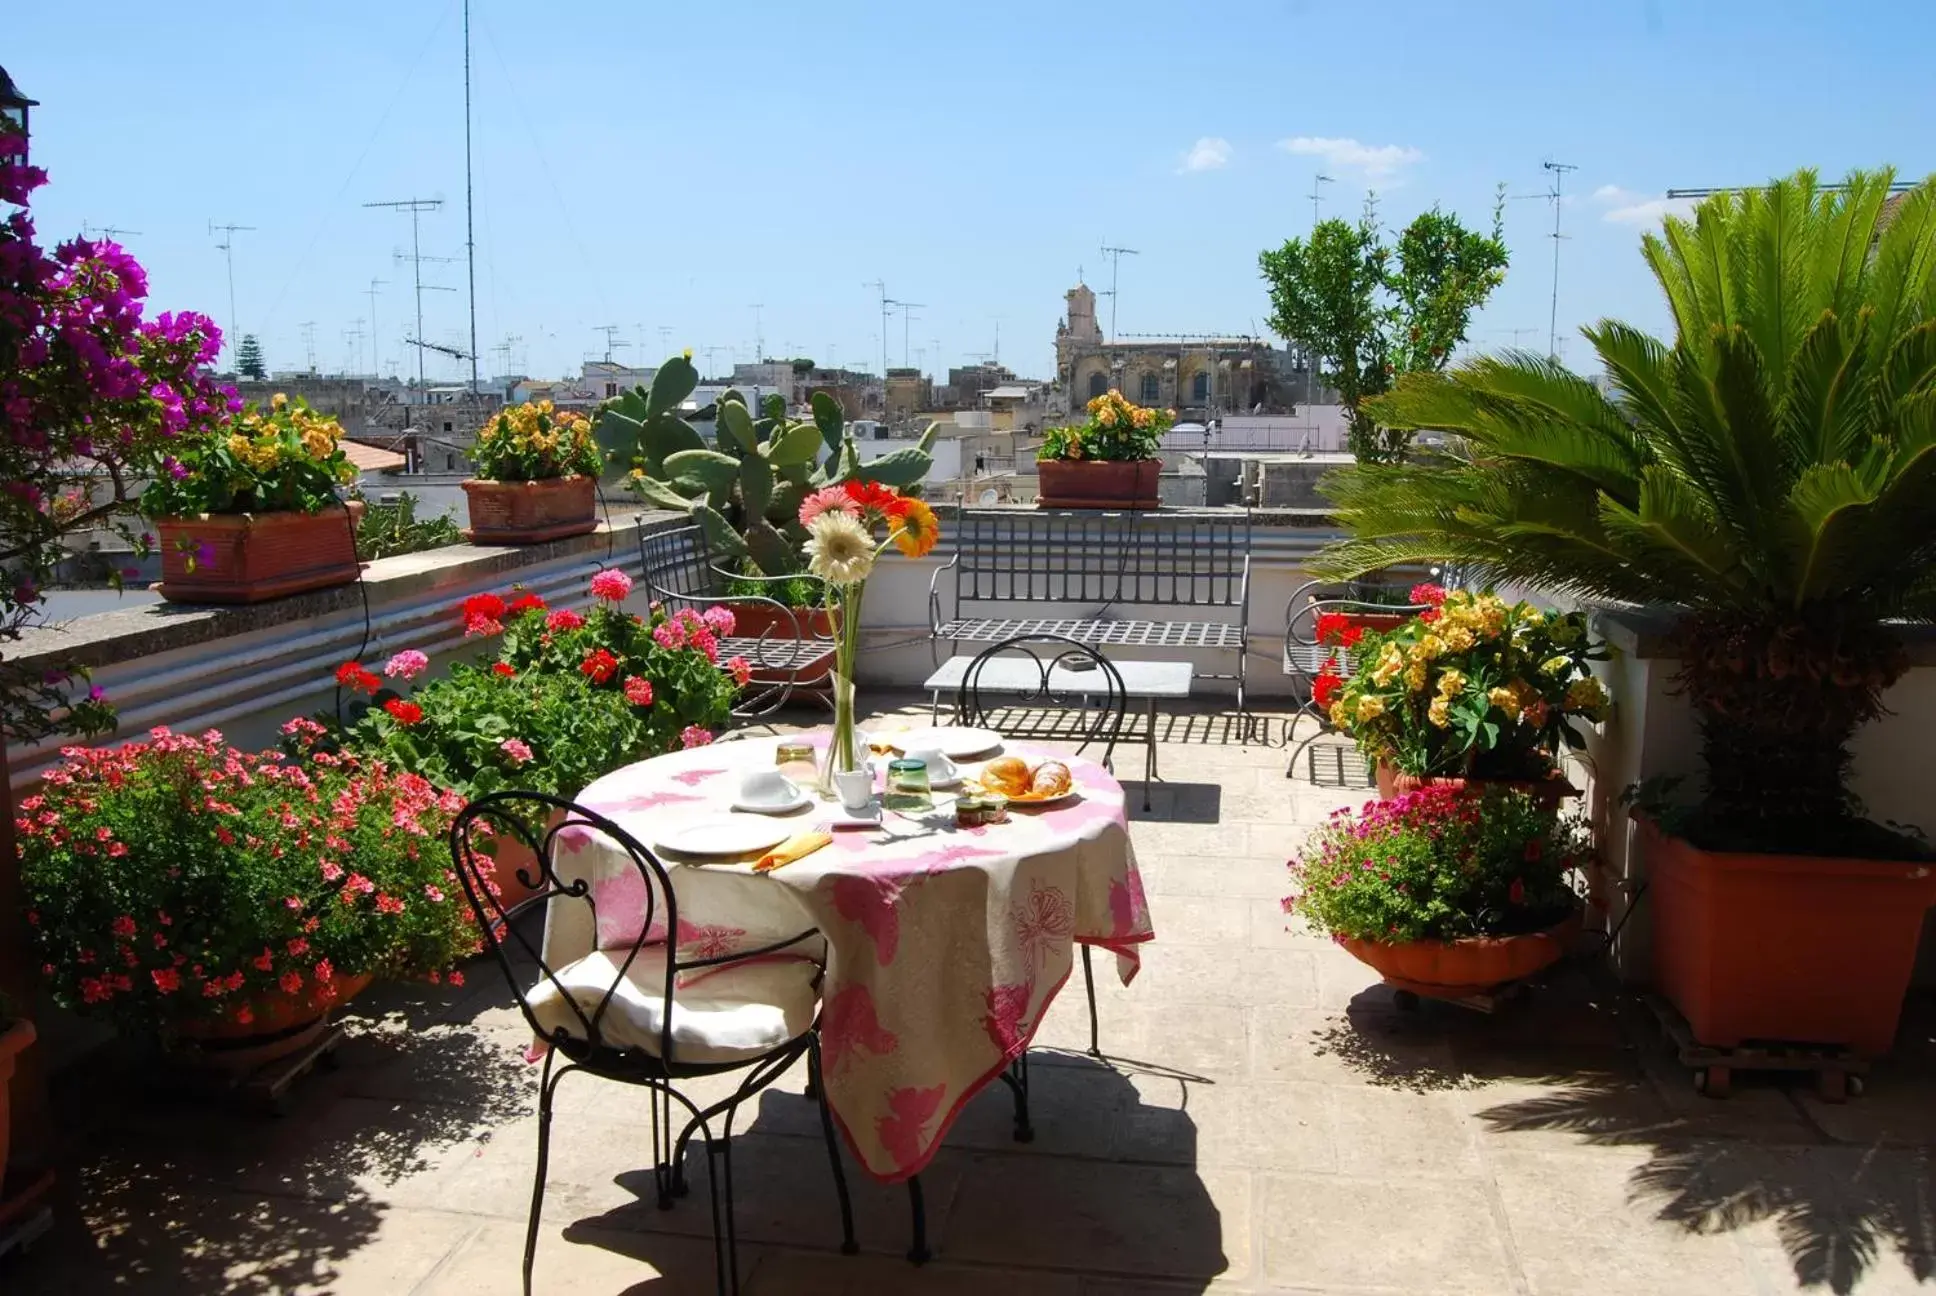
{"x": 611, "y": 585}
{"x": 824, "y": 499}
{"x": 516, "y": 749}
{"x": 670, "y": 635}
{"x": 407, "y": 664}
{"x": 719, "y": 620}
{"x": 638, "y": 690}
{"x": 563, "y": 619}
{"x": 740, "y": 669}
{"x": 694, "y": 736}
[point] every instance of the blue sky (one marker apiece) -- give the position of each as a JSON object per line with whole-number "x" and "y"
{"x": 667, "y": 167}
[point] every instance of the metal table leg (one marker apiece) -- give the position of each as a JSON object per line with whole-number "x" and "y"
{"x": 1149, "y": 773}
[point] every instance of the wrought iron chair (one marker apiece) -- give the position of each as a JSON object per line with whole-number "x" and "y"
{"x": 621, "y": 1013}
{"x": 785, "y": 651}
{"x": 1305, "y": 655}
{"x": 1056, "y": 670}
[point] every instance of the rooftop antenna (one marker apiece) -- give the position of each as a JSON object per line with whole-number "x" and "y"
{"x": 1559, "y": 170}
{"x": 710, "y": 352}
{"x": 416, "y": 207}
{"x": 1318, "y": 181}
{"x": 665, "y": 338}
{"x": 354, "y": 337}
{"x": 370, "y": 292}
{"x": 227, "y": 248}
{"x": 106, "y": 231}
{"x": 907, "y": 310}
{"x": 886, "y": 301}
{"x": 610, "y": 331}
{"x": 504, "y": 349}
{"x": 1115, "y": 255}
{"x": 470, "y": 240}
{"x": 759, "y": 334}
{"x": 309, "y": 345}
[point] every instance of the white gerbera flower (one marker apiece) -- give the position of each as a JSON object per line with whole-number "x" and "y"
{"x": 839, "y": 549}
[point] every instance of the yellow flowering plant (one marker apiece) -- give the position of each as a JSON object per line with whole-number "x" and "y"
{"x": 1117, "y": 431}
{"x": 284, "y": 457}
{"x": 1472, "y": 686}
{"x": 536, "y": 442}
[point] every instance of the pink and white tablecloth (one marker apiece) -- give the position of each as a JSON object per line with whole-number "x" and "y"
{"x": 945, "y": 946}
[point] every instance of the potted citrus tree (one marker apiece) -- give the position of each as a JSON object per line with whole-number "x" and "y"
{"x": 1110, "y": 461}
{"x": 1768, "y": 474}
{"x": 537, "y": 476}
{"x": 1472, "y": 689}
{"x": 227, "y": 900}
{"x": 250, "y": 511}
{"x": 1445, "y": 893}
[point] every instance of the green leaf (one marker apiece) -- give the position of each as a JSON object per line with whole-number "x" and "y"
{"x": 671, "y": 385}
{"x": 797, "y": 445}
{"x": 707, "y": 470}
{"x": 775, "y": 555}
{"x": 724, "y": 539}
{"x": 828, "y": 418}
{"x": 666, "y": 436}
{"x": 784, "y": 507}
{"x": 661, "y": 493}
{"x": 900, "y": 467}
{"x": 736, "y": 423}
{"x": 755, "y": 485}
{"x": 617, "y": 433}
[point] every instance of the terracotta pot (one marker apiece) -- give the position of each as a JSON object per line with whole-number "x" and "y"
{"x": 282, "y": 1024}
{"x": 15, "y": 1036}
{"x": 1097, "y": 484}
{"x": 530, "y": 512}
{"x": 512, "y": 858}
{"x": 1392, "y": 784}
{"x": 763, "y": 620}
{"x": 250, "y": 557}
{"x": 1473, "y": 965}
{"x": 1794, "y": 948}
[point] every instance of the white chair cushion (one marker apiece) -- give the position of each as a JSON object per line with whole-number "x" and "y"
{"x": 725, "y": 1015}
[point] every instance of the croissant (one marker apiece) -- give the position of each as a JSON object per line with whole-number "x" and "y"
{"x": 1050, "y": 778}
{"x": 1008, "y": 775}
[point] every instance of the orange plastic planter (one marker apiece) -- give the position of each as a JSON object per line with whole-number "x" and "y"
{"x": 1455, "y": 969}
{"x": 1794, "y": 948}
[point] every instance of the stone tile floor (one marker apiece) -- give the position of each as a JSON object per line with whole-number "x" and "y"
{"x": 1266, "y": 1121}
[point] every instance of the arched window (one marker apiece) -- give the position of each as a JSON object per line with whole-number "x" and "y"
{"x": 1200, "y": 388}
{"x": 1152, "y": 389}
{"x": 1098, "y": 385}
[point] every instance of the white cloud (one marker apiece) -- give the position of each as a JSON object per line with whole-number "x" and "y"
{"x": 1211, "y": 153}
{"x": 1625, "y": 207}
{"x": 1373, "y": 161}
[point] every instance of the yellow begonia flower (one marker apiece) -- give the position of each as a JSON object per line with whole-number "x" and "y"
{"x": 278, "y": 401}
{"x": 1415, "y": 675}
{"x": 1439, "y": 712}
{"x": 1554, "y": 665}
{"x": 1451, "y": 684}
{"x": 1458, "y": 639}
{"x": 1506, "y": 700}
{"x": 1586, "y": 696}
{"x": 1370, "y": 707}
{"x": 1389, "y": 665}
{"x": 1339, "y": 716}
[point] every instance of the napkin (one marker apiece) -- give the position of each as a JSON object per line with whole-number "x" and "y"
{"x": 796, "y": 847}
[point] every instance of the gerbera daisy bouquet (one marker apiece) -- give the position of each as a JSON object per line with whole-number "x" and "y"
{"x": 849, "y": 526}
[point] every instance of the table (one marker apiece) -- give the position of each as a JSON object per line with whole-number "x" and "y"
{"x": 1154, "y": 680}
{"x": 945, "y": 946}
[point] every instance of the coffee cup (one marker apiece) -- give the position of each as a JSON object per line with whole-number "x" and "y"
{"x": 766, "y": 787}
{"x": 940, "y": 768}
{"x": 856, "y": 789}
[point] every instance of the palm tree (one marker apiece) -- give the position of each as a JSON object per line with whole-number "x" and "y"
{"x": 1772, "y": 471}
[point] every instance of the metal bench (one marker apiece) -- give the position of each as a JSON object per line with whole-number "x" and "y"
{"x": 680, "y": 572}
{"x": 1305, "y": 656}
{"x": 1111, "y": 567}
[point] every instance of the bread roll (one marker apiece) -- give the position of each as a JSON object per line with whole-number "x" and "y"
{"x": 1050, "y": 778}
{"x": 1008, "y": 775}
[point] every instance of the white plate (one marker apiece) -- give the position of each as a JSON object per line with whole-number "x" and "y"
{"x": 952, "y": 741}
{"x": 1058, "y": 799}
{"x": 724, "y": 835}
{"x": 800, "y": 798}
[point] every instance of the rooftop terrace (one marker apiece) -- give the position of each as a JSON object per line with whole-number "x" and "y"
{"x": 1266, "y": 1120}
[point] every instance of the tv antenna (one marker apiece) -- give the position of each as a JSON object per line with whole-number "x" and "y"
{"x": 309, "y": 345}
{"x": 470, "y": 237}
{"x": 907, "y": 310}
{"x": 1115, "y": 255}
{"x": 1559, "y": 170}
{"x": 759, "y": 333}
{"x": 665, "y": 338}
{"x": 1318, "y": 181}
{"x": 504, "y": 349}
{"x": 610, "y": 331}
{"x": 370, "y": 292}
{"x": 455, "y": 353}
{"x": 710, "y": 353}
{"x": 227, "y": 248}
{"x": 416, "y": 207}
{"x": 353, "y": 337}
{"x": 106, "y": 231}
{"x": 886, "y": 302}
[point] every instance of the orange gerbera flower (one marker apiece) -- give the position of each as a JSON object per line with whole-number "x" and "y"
{"x": 917, "y": 530}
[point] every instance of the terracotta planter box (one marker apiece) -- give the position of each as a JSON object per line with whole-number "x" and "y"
{"x": 250, "y": 557}
{"x": 531, "y": 512}
{"x": 1093, "y": 484}
{"x": 764, "y": 621}
{"x": 1791, "y": 948}
{"x": 1474, "y": 965}
{"x": 283, "y": 1024}
{"x": 15, "y": 1036}
{"x": 1392, "y": 784}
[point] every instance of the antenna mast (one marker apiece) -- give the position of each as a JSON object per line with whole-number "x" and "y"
{"x": 886, "y": 302}
{"x": 907, "y": 310}
{"x": 470, "y": 241}
{"x": 309, "y": 345}
{"x": 227, "y": 248}
{"x": 610, "y": 331}
{"x": 1115, "y": 255}
{"x": 415, "y": 206}
{"x": 1559, "y": 170}
{"x": 759, "y": 334}
{"x": 376, "y": 368}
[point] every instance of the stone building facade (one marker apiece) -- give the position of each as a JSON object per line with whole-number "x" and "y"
{"x": 1200, "y": 377}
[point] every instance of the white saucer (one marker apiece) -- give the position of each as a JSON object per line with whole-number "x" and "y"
{"x": 956, "y": 742}
{"x": 801, "y": 797}
{"x": 841, "y": 817}
{"x": 723, "y": 835}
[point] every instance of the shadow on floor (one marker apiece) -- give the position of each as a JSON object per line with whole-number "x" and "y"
{"x": 1107, "y": 1187}
{"x": 172, "y": 1190}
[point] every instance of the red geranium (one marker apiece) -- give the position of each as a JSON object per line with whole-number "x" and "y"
{"x": 599, "y": 666}
{"x": 873, "y": 496}
{"x": 1325, "y": 688}
{"x": 405, "y": 713}
{"x": 526, "y": 602}
{"x": 357, "y": 680}
{"x": 1335, "y": 628}
{"x": 503, "y": 668}
{"x": 1428, "y": 593}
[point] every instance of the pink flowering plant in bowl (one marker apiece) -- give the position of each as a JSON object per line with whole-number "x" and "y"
{"x": 566, "y": 697}
{"x": 177, "y": 881}
{"x": 1442, "y": 863}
